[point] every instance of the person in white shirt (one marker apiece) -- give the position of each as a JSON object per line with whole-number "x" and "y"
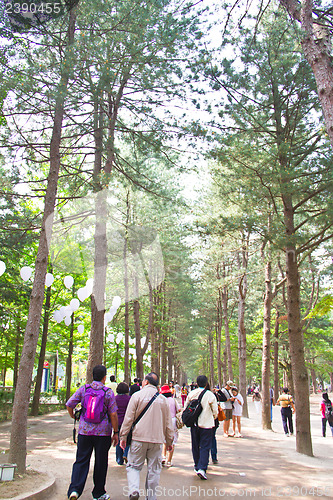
{"x": 237, "y": 411}
{"x": 202, "y": 433}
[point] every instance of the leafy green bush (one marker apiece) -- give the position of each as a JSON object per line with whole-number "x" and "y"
{"x": 62, "y": 394}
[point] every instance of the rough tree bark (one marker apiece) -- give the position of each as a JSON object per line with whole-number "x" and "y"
{"x": 101, "y": 213}
{"x": 17, "y": 351}
{"x": 18, "y": 438}
{"x": 127, "y": 375}
{"x": 296, "y": 341}
{"x": 39, "y": 376}
{"x": 225, "y": 300}
{"x": 95, "y": 355}
{"x": 242, "y": 291}
{"x": 211, "y": 360}
{"x": 218, "y": 330}
{"x": 276, "y": 356}
{"x": 317, "y": 48}
{"x": 266, "y": 346}
{"x": 69, "y": 359}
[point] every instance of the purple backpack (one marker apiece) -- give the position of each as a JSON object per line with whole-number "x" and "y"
{"x": 93, "y": 409}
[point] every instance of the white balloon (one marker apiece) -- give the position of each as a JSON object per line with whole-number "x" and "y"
{"x": 107, "y": 317}
{"x": 68, "y": 311}
{"x": 74, "y": 304}
{"x": 113, "y": 310}
{"x": 58, "y": 317}
{"x": 89, "y": 284}
{"x": 26, "y": 273}
{"x": 68, "y": 281}
{"x": 2, "y": 267}
{"x": 110, "y": 337}
{"x": 82, "y": 294}
{"x": 49, "y": 279}
{"x": 116, "y": 301}
{"x": 80, "y": 328}
{"x": 119, "y": 338}
{"x": 67, "y": 320}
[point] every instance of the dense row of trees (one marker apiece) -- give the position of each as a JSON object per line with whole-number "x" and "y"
{"x": 229, "y": 276}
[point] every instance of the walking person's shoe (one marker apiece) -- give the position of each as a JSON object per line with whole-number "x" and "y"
{"x": 134, "y": 496}
{"x": 215, "y": 461}
{"x": 103, "y": 497}
{"x": 202, "y": 474}
{"x": 73, "y": 496}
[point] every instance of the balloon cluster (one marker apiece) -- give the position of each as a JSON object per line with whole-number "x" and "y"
{"x": 113, "y": 309}
{"x": 65, "y": 312}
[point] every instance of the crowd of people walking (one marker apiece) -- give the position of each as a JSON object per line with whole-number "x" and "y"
{"x": 143, "y": 420}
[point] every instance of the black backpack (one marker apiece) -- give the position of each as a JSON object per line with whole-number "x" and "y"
{"x": 192, "y": 411}
{"x": 329, "y": 412}
{"x": 221, "y": 395}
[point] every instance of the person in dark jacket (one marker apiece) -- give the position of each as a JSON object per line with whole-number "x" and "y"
{"x": 122, "y": 400}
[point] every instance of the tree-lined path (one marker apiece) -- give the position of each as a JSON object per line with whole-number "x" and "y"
{"x": 256, "y": 466}
{"x": 166, "y": 199}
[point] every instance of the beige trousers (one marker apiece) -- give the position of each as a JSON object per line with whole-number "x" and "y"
{"x": 138, "y": 453}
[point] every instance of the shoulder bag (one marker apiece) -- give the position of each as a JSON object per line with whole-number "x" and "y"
{"x": 129, "y": 435}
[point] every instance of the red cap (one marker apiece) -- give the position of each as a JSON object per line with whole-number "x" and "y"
{"x": 165, "y": 389}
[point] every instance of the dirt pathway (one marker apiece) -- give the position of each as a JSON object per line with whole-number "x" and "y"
{"x": 263, "y": 464}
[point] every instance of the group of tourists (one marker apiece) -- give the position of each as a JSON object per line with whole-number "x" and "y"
{"x": 119, "y": 416}
{"x": 142, "y": 421}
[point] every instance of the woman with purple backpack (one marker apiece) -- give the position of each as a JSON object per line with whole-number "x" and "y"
{"x": 122, "y": 400}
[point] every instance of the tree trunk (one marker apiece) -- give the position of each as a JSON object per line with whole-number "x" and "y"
{"x": 224, "y": 301}
{"x": 276, "y": 357}
{"x": 314, "y": 380}
{"x": 331, "y": 381}
{"x": 317, "y": 48}
{"x": 127, "y": 375}
{"x": 224, "y": 368}
{"x": 155, "y": 362}
{"x": 170, "y": 363}
{"x": 17, "y": 352}
{"x": 266, "y": 348}
{"x": 55, "y": 371}
{"x": 296, "y": 342}
{"x": 95, "y": 356}
{"x": 18, "y": 438}
{"x": 211, "y": 361}
{"x": 39, "y": 376}
{"x": 69, "y": 360}
{"x": 136, "y": 315}
{"x": 164, "y": 374}
{"x": 218, "y": 341}
{"x": 242, "y": 291}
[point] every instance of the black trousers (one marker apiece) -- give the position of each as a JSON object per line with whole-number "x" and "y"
{"x": 201, "y": 445}
{"x": 85, "y": 447}
{"x": 287, "y": 418}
